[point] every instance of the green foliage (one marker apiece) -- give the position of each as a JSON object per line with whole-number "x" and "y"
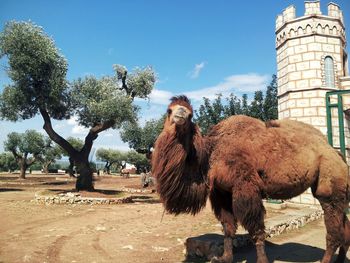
{"x": 76, "y": 144}
{"x": 110, "y": 156}
{"x": 270, "y": 102}
{"x": 38, "y": 73}
{"x": 257, "y": 106}
{"x": 234, "y": 106}
{"x": 39, "y": 85}
{"x": 142, "y": 139}
{"x": 22, "y": 144}
{"x": 99, "y": 101}
{"x": 7, "y": 162}
{"x": 211, "y": 113}
{"x": 136, "y": 84}
{"x": 50, "y": 154}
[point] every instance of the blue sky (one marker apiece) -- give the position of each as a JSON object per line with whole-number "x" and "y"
{"x": 199, "y": 48}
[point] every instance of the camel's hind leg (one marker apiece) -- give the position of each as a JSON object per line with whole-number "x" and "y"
{"x": 331, "y": 190}
{"x": 257, "y": 232}
{"x": 336, "y": 225}
{"x": 344, "y": 248}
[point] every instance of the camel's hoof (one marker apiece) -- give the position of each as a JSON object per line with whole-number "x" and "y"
{"x": 221, "y": 260}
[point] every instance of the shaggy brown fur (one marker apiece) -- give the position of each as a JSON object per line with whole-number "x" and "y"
{"x": 243, "y": 160}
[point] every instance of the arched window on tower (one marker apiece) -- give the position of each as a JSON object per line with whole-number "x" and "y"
{"x": 329, "y": 71}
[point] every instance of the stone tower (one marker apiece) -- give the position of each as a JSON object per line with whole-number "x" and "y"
{"x": 311, "y": 60}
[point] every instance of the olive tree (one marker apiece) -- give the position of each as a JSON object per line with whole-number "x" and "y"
{"x": 39, "y": 86}
{"x": 26, "y": 148}
{"x": 110, "y": 157}
{"x": 77, "y": 144}
{"x": 50, "y": 154}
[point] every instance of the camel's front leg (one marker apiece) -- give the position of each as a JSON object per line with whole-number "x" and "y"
{"x": 222, "y": 207}
{"x": 259, "y": 240}
{"x": 229, "y": 233}
{"x": 248, "y": 207}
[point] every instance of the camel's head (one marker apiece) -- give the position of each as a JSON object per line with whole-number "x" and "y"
{"x": 179, "y": 111}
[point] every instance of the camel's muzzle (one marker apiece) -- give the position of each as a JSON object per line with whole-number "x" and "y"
{"x": 180, "y": 116}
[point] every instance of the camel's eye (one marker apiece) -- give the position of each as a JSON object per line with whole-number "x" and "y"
{"x": 169, "y": 111}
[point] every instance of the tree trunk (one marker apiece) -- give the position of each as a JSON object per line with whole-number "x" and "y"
{"x": 45, "y": 169}
{"x": 108, "y": 168}
{"x": 84, "y": 181}
{"x": 23, "y": 169}
{"x": 70, "y": 167}
{"x": 85, "y": 178}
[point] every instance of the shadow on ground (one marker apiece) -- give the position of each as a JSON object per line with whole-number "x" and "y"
{"x": 107, "y": 192}
{"x": 288, "y": 252}
{"x": 10, "y": 189}
{"x": 57, "y": 183}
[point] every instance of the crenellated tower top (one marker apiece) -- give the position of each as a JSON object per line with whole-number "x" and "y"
{"x": 288, "y": 26}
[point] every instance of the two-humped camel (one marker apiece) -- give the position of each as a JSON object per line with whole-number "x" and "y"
{"x": 243, "y": 160}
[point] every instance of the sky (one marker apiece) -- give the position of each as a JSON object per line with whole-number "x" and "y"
{"x": 199, "y": 48}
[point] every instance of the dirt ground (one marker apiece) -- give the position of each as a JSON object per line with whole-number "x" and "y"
{"x": 136, "y": 232}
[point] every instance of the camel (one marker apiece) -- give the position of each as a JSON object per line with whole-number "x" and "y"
{"x": 240, "y": 162}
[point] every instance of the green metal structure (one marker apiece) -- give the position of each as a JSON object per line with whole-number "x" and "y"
{"x": 339, "y": 106}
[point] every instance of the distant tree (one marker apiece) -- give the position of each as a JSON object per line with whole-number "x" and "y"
{"x": 110, "y": 157}
{"x": 233, "y": 107}
{"x": 209, "y": 113}
{"x": 77, "y": 144}
{"x": 51, "y": 152}
{"x": 142, "y": 139}
{"x": 212, "y": 112}
{"x": 256, "y": 108}
{"x": 39, "y": 86}
{"x": 25, "y": 147}
{"x": 270, "y": 102}
{"x": 7, "y": 162}
{"x": 245, "y": 105}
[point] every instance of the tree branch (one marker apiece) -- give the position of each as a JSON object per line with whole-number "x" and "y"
{"x": 56, "y": 137}
{"x": 93, "y": 134}
{"x": 16, "y": 155}
{"x": 130, "y": 92}
{"x": 30, "y": 162}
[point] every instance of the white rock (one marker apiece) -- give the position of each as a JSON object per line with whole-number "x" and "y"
{"x": 128, "y": 247}
{"x": 160, "y": 249}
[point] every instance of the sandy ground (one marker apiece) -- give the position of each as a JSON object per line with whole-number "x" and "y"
{"x": 31, "y": 232}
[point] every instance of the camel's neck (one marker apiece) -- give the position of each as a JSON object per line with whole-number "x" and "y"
{"x": 179, "y": 164}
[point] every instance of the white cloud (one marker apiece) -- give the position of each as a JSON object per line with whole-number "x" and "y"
{"x": 79, "y": 130}
{"x": 197, "y": 70}
{"x": 73, "y": 120}
{"x": 160, "y": 96}
{"x": 245, "y": 83}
